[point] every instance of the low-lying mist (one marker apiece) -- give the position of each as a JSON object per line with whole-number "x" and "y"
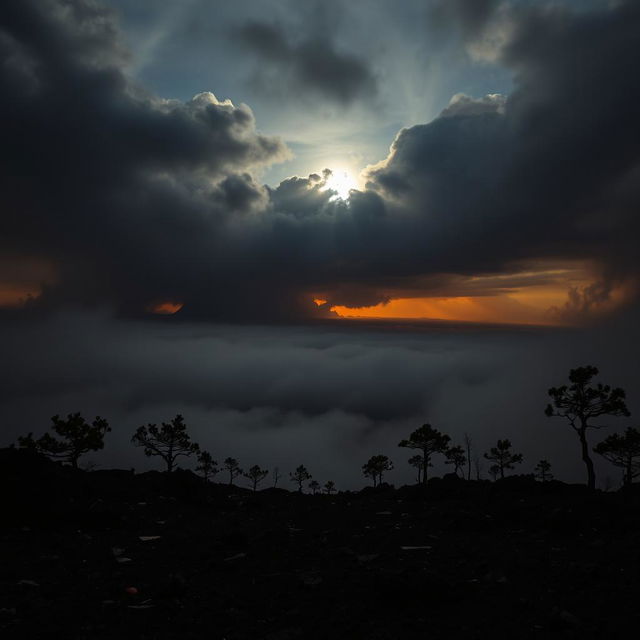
{"x": 326, "y": 396}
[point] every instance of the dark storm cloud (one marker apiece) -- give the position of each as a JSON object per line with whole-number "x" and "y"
{"x": 470, "y": 15}
{"x": 134, "y": 199}
{"x": 288, "y": 66}
{"x": 122, "y": 190}
{"x": 534, "y": 175}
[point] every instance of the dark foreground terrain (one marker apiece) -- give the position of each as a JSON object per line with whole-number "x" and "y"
{"x": 110, "y": 554}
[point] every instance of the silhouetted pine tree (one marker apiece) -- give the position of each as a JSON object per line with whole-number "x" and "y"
{"x": 233, "y": 469}
{"x": 455, "y": 456}
{"x": 503, "y": 457}
{"x": 376, "y": 467}
{"x": 581, "y": 403}
{"x": 622, "y": 451}
{"x": 75, "y": 438}
{"x": 417, "y": 461}
{"x": 207, "y": 466}
{"x": 256, "y": 475}
{"x": 542, "y": 471}
{"x": 169, "y": 441}
{"x": 428, "y": 440}
{"x": 300, "y": 476}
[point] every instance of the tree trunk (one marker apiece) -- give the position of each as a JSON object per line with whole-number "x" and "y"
{"x": 170, "y": 459}
{"x": 591, "y": 474}
{"x": 425, "y": 457}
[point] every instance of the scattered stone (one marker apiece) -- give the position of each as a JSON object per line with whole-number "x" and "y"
{"x": 29, "y": 583}
{"x": 368, "y": 557}
{"x": 419, "y": 548}
{"x": 311, "y": 580}
{"x": 140, "y": 606}
{"x": 568, "y": 618}
{"x": 337, "y": 580}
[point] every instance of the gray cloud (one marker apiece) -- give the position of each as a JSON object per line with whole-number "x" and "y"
{"x": 535, "y": 175}
{"x": 134, "y": 199}
{"x": 463, "y": 105}
{"x": 123, "y": 191}
{"x": 313, "y": 64}
{"x": 583, "y": 302}
{"x": 471, "y": 16}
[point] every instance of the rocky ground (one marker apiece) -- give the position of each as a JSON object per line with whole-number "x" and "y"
{"x": 110, "y": 554}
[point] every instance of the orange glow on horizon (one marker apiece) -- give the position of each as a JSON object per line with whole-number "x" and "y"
{"x": 532, "y": 306}
{"x": 489, "y": 309}
{"x": 561, "y": 294}
{"x": 167, "y": 308}
{"x": 24, "y": 278}
{"x": 529, "y": 306}
{"x": 13, "y": 297}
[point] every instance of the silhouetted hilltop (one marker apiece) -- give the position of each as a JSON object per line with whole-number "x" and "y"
{"x": 113, "y": 554}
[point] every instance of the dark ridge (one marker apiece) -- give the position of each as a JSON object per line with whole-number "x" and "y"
{"x": 115, "y": 554}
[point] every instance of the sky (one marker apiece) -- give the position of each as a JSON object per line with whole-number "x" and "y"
{"x": 311, "y": 227}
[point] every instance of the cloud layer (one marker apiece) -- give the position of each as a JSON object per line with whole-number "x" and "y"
{"x": 133, "y": 199}
{"x": 325, "y": 396}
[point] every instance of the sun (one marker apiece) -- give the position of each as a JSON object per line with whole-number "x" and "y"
{"x": 342, "y": 182}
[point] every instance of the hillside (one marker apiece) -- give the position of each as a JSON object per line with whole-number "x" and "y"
{"x": 113, "y": 554}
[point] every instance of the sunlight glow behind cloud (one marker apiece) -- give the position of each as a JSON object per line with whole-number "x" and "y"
{"x": 342, "y": 182}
